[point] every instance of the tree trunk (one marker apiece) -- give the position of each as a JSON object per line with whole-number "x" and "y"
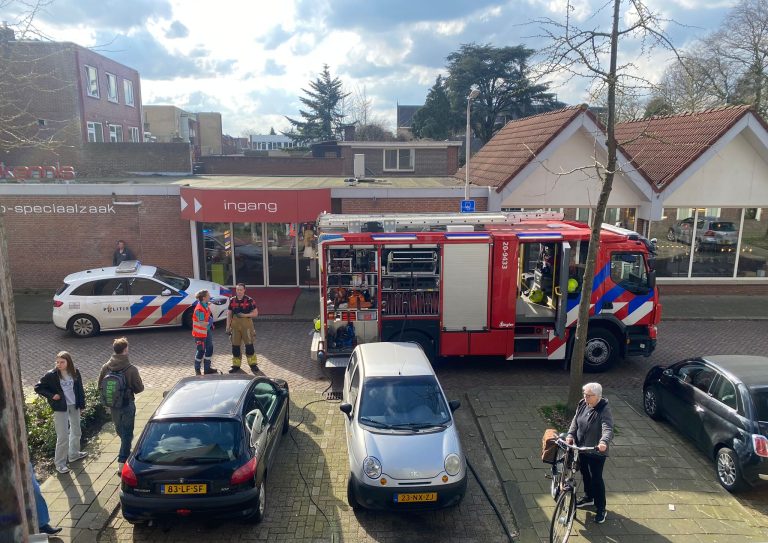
{"x": 577, "y": 356}
{"x": 18, "y": 515}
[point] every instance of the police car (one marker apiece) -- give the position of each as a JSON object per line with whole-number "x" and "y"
{"x": 130, "y": 295}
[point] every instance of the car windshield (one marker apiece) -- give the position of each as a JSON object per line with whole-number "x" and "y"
{"x": 760, "y": 398}
{"x": 189, "y": 442}
{"x": 171, "y": 279}
{"x": 407, "y": 402}
{"x": 723, "y": 226}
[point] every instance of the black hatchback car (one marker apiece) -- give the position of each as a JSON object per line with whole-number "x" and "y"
{"x": 207, "y": 450}
{"x": 721, "y": 404}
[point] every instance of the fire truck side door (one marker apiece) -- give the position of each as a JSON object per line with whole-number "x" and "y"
{"x": 465, "y": 286}
{"x": 562, "y": 294}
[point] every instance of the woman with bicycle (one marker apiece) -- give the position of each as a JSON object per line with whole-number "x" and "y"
{"x": 592, "y": 426}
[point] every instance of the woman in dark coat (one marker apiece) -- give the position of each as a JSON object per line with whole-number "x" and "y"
{"x": 592, "y": 426}
{"x": 63, "y": 388}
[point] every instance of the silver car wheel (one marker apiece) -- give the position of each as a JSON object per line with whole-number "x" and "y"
{"x": 83, "y": 326}
{"x": 650, "y": 401}
{"x": 726, "y": 468}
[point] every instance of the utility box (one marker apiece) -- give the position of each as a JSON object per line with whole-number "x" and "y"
{"x": 359, "y": 166}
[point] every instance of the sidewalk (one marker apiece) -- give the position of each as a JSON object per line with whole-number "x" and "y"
{"x": 658, "y": 487}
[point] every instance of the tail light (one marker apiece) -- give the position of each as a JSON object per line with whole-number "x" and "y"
{"x": 760, "y": 443}
{"x": 128, "y": 476}
{"x": 58, "y": 303}
{"x": 243, "y": 474}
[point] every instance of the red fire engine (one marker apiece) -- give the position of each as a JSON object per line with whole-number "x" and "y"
{"x": 482, "y": 284}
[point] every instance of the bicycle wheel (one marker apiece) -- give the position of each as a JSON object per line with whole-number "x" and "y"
{"x": 562, "y": 518}
{"x": 558, "y": 468}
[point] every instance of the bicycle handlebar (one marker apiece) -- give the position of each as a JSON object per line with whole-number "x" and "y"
{"x": 564, "y": 444}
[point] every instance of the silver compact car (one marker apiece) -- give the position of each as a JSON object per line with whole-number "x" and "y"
{"x": 402, "y": 441}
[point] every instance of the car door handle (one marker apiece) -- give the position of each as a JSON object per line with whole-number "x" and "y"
{"x": 699, "y": 408}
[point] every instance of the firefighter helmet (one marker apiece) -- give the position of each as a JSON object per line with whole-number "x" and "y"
{"x": 536, "y": 295}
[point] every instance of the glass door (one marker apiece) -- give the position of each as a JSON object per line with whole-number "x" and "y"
{"x": 282, "y": 254}
{"x": 248, "y": 241}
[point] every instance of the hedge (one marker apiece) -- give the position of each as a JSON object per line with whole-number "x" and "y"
{"x": 41, "y": 432}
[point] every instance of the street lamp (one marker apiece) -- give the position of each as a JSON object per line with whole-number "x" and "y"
{"x": 472, "y": 95}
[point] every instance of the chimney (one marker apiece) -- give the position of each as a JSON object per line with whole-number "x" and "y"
{"x": 349, "y": 132}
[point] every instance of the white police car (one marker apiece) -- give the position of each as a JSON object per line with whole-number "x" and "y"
{"x": 131, "y": 295}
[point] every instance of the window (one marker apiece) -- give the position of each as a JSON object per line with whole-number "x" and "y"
{"x": 725, "y": 392}
{"x": 696, "y": 374}
{"x": 112, "y": 88}
{"x": 146, "y": 287}
{"x": 86, "y": 289}
{"x": 409, "y": 400}
{"x": 354, "y": 386}
{"x": 115, "y": 133}
{"x": 175, "y": 442}
{"x": 92, "y": 81}
{"x": 628, "y": 271}
{"x": 133, "y": 134}
{"x": 264, "y": 397}
{"x": 41, "y": 123}
{"x": 398, "y": 159}
{"x": 95, "y": 132}
{"x": 128, "y": 92}
{"x": 110, "y": 287}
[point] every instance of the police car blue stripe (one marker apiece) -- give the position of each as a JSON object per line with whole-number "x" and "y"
{"x": 169, "y": 304}
{"x": 138, "y": 306}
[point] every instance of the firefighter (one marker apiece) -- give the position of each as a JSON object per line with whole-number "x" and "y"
{"x": 202, "y": 328}
{"x": 242, "y": 309}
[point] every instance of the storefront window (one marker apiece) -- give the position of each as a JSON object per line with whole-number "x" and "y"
{"x": 282, "y": 254}
{"x": 307, "y": 254}
{"x": 715, "y": 242}
{"x": 753, "y": 255}
{"x": 249, "y": 253}
{"x": 674, "y": 242}
{"x": 217, "y": 262}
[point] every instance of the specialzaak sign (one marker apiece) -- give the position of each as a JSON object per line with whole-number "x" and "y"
{"x": 236, "y": 205}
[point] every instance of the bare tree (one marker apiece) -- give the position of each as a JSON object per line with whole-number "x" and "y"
{"x": 594, "y": 54}
{"x": 629, "y": 105}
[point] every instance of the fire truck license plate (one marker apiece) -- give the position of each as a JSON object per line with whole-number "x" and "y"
{"x": 414, "y": 498}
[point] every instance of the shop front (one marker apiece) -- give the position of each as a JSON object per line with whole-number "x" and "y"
{"x": 263, "y": 238}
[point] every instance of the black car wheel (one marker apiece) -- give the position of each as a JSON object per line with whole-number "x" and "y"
{"x": 186, "y": 319}
{"x": 651, "y": 403}
{"x": 83, "y": 326}
{"x": 351, "y": 498}
{"x": 601, "y": 350}
{"x": 728, "y": 470}
{"x": 260, "y": 503}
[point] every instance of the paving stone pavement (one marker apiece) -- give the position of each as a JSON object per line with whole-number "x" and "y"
{"x": 658, "y": 487}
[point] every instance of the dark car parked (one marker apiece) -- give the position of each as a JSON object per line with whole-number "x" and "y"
{"x": 207, "y": 450}
{"x": 721, "y": 404}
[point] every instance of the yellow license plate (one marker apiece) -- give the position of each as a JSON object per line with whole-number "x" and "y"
{"x": 185, "y": 489}
{"x": 415, "y": 498}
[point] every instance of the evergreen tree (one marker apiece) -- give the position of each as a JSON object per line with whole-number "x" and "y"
{"x": 321, "y": 118}
{"x": 434, "y": 119}
{"x": 272, "y": 131}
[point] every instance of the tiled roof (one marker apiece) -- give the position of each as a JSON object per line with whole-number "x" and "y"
{"x": 661, "y": 148}
{"x": 515, "y": 145}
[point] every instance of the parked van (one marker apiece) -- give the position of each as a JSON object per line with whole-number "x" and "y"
{"x": 402, "y": 441}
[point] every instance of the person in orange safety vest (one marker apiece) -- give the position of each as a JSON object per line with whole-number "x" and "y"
{"x": 202, "y": 327}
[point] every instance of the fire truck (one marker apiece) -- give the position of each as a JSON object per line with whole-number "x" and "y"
{"x": 482, "y": 284}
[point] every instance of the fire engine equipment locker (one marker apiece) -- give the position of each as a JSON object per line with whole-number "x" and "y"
{"x": 465, "y": 286}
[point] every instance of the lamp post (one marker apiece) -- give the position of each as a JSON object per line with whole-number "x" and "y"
{"x": 472, "y": 95}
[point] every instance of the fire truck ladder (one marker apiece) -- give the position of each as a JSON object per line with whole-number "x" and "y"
{"x": 396, "y": 222}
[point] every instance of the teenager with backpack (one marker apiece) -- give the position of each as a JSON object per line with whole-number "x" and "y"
{"x": 119, "y": 382}
{"x": 202, "y": 332}
{"x": 63, "y": 388}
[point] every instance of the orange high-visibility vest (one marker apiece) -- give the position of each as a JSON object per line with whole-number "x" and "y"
{"x": 200, "y": 327}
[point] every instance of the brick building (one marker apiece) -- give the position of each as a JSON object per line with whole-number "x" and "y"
{"x": 62, "y": 96}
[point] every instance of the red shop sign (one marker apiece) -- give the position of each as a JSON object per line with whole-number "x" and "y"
{"x": 222, "y": 205}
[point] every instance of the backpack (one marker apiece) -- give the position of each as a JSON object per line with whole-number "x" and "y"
{"x": 113, "y": 389}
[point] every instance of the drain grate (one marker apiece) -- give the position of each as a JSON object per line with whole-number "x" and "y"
{"x": 334, "y": 395}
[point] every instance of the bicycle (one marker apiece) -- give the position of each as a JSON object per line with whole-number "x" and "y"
{"x": 563, "y": 489}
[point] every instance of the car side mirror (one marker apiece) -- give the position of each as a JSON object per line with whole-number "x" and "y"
{"x": 668, "y": 372}
{"x": 166, "y": 292}
{"x": 454, "y": 405}
{"x": 219, "y": 300}
{"x": 346, "y": 408}
{"x": 652, "y": 279}
{"x": 254, "y": 420}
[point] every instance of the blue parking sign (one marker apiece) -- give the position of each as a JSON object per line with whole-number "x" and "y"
{"x": 467, "y": 206}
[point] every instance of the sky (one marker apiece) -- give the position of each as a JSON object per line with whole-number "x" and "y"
{"x": 249, "y": 59}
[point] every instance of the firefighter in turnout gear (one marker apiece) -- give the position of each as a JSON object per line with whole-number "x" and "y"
{"x": 242, "y": 309}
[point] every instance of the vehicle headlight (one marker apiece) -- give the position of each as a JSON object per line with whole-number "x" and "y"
{"x": 372, "y": 467}
{"x": 452, "y": 464}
